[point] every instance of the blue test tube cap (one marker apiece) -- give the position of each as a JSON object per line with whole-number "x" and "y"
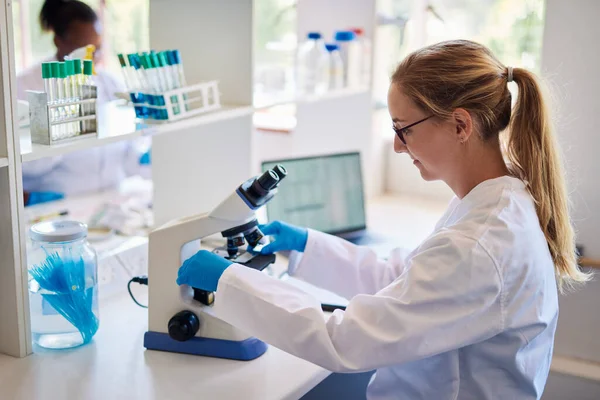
{"x": 132, "y": 61}
{"x": 331, "y": 47}
{"x": 344, "y": 36}
{"x": 170, "y": 57}
{"x": 176, "y": 57}
{"x": 314, "y": 35}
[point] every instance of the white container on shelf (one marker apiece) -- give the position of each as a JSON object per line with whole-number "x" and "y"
{"x": 350, "y": 52}
{"x": 336, "y": 67}
{"x": 312, "y": 66}
{"x": 365, "y": 56}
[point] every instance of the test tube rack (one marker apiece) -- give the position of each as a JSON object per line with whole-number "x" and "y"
{"x": 45, "y": 129}
{"x": 178, "y": 103}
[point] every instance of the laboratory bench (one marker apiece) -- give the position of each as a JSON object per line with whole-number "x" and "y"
{"x": 115, "y": 364}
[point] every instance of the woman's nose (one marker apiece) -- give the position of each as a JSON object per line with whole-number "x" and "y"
{"x": 399, "y": 147}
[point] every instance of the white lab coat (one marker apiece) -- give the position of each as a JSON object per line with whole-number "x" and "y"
{"x": 87, "y": 170}
{"x": 470, "y": 314}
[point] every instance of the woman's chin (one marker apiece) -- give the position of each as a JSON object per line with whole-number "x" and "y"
{"x": 425, "y": 174}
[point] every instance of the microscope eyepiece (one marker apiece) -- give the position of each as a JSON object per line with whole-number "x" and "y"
{"x": 257, "y": 191}
{"x": 268, "y": 180}
{"x": 280, "y": 171}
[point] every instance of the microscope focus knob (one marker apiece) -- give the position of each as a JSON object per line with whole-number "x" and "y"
{"x": 183, "y": 326}
{"x": 268, "y": 180}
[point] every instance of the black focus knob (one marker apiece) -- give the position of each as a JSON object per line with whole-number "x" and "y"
{"x": 183, "y": 326}
{"x": 268, "y": 180}
{"x": 280, "y": 171}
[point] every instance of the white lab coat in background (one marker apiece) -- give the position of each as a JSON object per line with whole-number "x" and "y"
{"x": 470, "y": 314}
{"x": 87, "y": 170}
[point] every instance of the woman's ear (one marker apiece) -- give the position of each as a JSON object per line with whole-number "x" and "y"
{"x": 463, "y": 123}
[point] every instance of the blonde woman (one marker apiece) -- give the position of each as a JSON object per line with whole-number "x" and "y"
{"x": 471, "y": 313}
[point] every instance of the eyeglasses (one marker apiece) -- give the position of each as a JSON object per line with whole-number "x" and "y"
{"x": 400, "y": 132}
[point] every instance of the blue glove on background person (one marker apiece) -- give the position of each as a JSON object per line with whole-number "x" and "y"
{"x": 31, "y": 198}
{"x": 287, "y": 237}
{"x": 202, "y": 270}
{"x": 146, "y": 158}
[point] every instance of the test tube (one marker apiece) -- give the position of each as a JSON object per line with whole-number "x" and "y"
{"x": 176, "y": 59}
{"x": 77, "y": 81}
{"x": 50, "y": 89}
{"x": 90, "y": 125}
{"x": 155, "y": 85}
{"x": 128, "y": 74}
{"x": 70, "y": 128}
{"x": 47, "y": 77}
{"x": 60, "y": 99}
{"x": 162, "y": 84}
{"x": 169, "y": 78}
{"x": 138, "y": 97}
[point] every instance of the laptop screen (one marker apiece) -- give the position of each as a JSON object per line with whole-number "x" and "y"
{"x": 323, "y": 193}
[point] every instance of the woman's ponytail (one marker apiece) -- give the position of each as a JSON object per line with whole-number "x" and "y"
{"x": 534, "y": 154}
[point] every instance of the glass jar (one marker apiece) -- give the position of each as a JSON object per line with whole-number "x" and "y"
{"x": 63, "y": 285}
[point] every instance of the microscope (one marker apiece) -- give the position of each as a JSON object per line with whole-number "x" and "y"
{"x": 179, "y": 317}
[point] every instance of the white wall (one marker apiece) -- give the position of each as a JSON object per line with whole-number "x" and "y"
{"x": 570, "y": 61}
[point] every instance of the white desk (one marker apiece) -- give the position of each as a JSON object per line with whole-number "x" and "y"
{"x": 116, "y": 366}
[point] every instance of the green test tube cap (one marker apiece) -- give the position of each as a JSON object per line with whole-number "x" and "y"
{"x": 69, "y": 68}
{"x": 62, "y": 70}
{"x": 77, "y": 66}
{"x": 46, "y": 70}
{"x": 87, "y": 67}
{"x": 154, "y": 59}
{"x": 147, "y": 61}
{"x": 142, "y": 60}
{"x": 54, "y": 69}
{"x": 122, "y": 60}
{"x": 162, "y": 59}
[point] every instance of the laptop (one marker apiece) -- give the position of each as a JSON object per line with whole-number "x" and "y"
{"x": 325, "y": 193}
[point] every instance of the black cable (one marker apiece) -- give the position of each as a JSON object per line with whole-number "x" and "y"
{"x": 142, "y": 280}
{"x": 331, "y": 307}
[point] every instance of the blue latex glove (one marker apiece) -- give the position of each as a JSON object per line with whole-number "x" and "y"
{"x": 202, "y": 270}
{"x": 146, "y": 158}
{"x": 43, "y": 197}
{"x": 287, "y": 237}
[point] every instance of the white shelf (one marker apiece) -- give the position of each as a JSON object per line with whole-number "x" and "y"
{"x": 336, "y": 94}
{"x": 279, "y": 115}
{"x": 118, "y": 123}
{"x": 223, "y": 114}
{"x": 3, "y": 162}
{"x": 576, "y": 367}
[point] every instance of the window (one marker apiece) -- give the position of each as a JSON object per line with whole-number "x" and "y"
{"x": 125, "y": 27}
{"x": 274, "y": 49}
{"x": 512, "y": 29}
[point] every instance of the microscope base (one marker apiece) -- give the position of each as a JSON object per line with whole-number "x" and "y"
{"x": 244, "y": 350}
